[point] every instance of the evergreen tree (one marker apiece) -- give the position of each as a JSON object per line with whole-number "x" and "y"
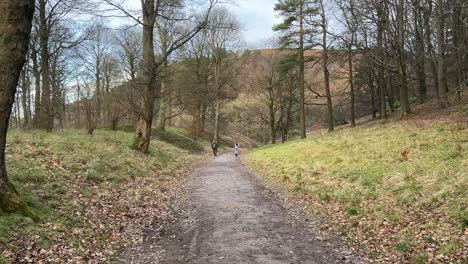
{"x": 294, "y": 30}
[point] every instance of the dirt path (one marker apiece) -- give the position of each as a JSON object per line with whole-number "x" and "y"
{"x": 231, "y": 217}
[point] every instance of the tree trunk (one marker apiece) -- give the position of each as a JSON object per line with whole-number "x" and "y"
{"x": 37, "y": 86}
{"x": 17, "y": 112}
{"x": 457, "y": 35}
{"x": 46, "y": 118}
{"x": 430, "y": 47}
{"x": 15, "y": 29}
{"x": 289, "y": 110}
{"x": 326, "y": 72}
{"x": 24, "y": 99}
{"x": 150, "y": 69}
{"x": 391, "y": 96}
{"x": 78, "y": 103}
{"x": 90, "y": 116}
{"x": 162, "y": 111}
{"x": 98, "y": 93}
{"x": 114, "y": 124}
{"x": 196, "y": 122}
{"x": 402, "y": 71}
{"x": 56, "y": 93}
{"x": 380, "y": 48}
{"x": 28, "y": 102}
{"x": 216, "y": 126}
{"x": 302, "y": 122}
{"x": 420, "y": 56}
{"x": 162, "y": 116}
{"x": 202, "y": 119}
{"x": 351, "y": 87}
{"x": 441, "y": 70}
{"x": 352, "y": 27}
{"x": 169, "y": 108}
{"x": 272, "y": 123}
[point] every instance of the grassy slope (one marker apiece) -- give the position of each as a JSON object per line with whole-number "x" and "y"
{"x": 399, "y": 190}
{"x": 93, "y": 193}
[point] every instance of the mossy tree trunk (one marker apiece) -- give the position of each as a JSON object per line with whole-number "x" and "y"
{"x": 150, "y": 69}
{"x": 15, "y": 28}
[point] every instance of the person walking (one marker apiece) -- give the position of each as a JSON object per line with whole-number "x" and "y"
{"x": 214, "y": 147}
{"x": 236, "y": 149}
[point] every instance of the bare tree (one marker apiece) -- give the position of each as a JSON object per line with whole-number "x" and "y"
{"x": 51, "y": 14}
{"x": 263, "y": 80}
{"x": 223, "y": 31}
{"x": 151, "y": 78}
{"x": 323, "y": 22}
{"x": 351, "y": 23}
{"x": 93, "y": 54}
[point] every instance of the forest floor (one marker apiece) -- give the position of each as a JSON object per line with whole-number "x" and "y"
{"x": 230, "y": 216}
{"x": 94, "y": 194}
{"x": 397, "y": 189}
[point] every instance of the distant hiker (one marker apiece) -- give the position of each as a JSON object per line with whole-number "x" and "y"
{"x": 214, "y": 147}
{"x": 236, "y": 149}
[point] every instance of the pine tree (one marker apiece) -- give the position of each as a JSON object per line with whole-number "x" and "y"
{"x": 294, "y": 30}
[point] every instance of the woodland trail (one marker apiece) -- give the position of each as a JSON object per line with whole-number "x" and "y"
{"x": 230, "y": 216}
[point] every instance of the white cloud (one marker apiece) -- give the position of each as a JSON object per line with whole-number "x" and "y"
{"x": 257, "y": 18}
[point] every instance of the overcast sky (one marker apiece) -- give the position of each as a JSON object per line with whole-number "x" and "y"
{"x": 256, "y": 17}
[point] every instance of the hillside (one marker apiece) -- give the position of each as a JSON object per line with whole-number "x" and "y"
{"x": 397, "y": 190}
{"x": 94, "y": 195}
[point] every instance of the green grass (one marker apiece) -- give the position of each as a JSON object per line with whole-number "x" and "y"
{"x": 404, "y": 246}
{"x": 379, "y": 172}
{"x": 180, "y": 139}
{"x": 177, "y": 137}
{"x": 58, "y": 173}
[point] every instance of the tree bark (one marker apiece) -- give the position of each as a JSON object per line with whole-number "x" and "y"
{"x": 163, "y": 109}
{"x": 78, "y": 105}
{"x": 351, "y": 24}
{"x": 169, "y": 108}
{"x": 98, "y": 93}
{"x": 441, "y": 68}
{"x": 37, "y": 86}
{"x": 203, "y": 118}
{"x": 302, "y": 122}
{"x": 25, "y": 87}
{"x": 46, "y": 116}
{"x": 216, "y": 125}
{"x": 402, "y": 71}
{"x": 15, "y": 29}
{"x": 420, "y": 56}
{"x": 150, "y": 69}
{"x": 380, "y": 72}
{"x": 351, "y": 82}
{"x": 457, "y": 36}
{"x": 271, "y": 109}
{"x": 430, "y": 47}
{"x": 326, "y": 72}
